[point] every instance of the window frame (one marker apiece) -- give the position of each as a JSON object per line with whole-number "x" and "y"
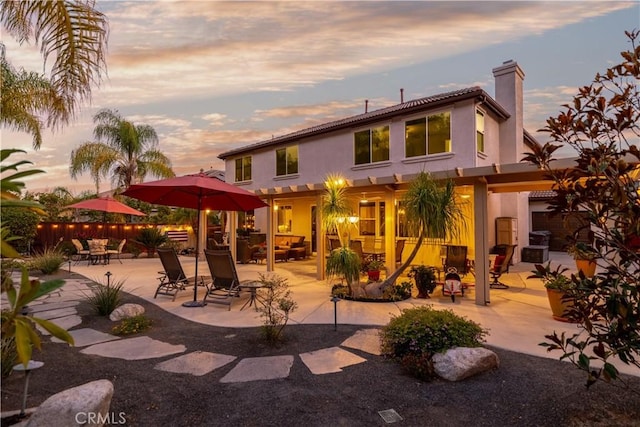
{"x": 425, "y": 149}
{"x": 243, "y": 169}
{"x": 480, "y": 113}
{"x": 370, "y": 148}
{"x": 286, "y": 161}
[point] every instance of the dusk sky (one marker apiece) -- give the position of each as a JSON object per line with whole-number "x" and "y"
{"x": 211, "y": 76}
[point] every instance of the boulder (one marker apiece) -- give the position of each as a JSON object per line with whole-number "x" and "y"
{"x": 462, "y": 362}
{"x": 126, "y": 311}
{"x": 374, "y": 290}
{"x": 84, "y": 405}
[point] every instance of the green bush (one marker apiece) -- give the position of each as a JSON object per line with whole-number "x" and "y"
{"x": 48, "y": 261}
{"x": 105, "y": 298}
{"x": 414, "y": 337}
{"x": 276, "y": 307}
{"x": 151, "y": 239}
{"x": 398, "y": 292}
{"x": 132, "y": 325}
{"x": 21, "y": 222}
{"x": 340, "y": 291}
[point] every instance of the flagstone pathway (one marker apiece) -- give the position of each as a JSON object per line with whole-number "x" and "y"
{"x": 60, "y": 307}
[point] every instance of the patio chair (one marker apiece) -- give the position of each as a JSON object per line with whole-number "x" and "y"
{"x": 173, "y": 278}
{"x": 118, "y": 251}
{"x": 225, "y": 285}
{"x": 501, "y": 266}
{"x": 456, "y": 256}
{"x": 81, "y": 252}
{"x": 399, "y": 249}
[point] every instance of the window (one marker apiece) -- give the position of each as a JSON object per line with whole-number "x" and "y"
{"x": 430, "y": 135}
{"x": 243, "y": 169}
{"x": 285, "y": 217}
{"x": 371, "y": 145}
{"x": 287, "y": 161}
{"x": 369, "y": 221}
{"x": 480, "y": 131}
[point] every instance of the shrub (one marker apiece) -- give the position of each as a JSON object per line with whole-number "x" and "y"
{"x": 21, "y": 222}
{"x": 414, "y": 337}
{"x": 48, "y": 261}
{"x": 105, "y": 298}
{"x": 398, "y": 292}
{"x": 340, "y": 291}
{"x": 132, "y": 325}
{"x": 277, "y": 305}
{"x": 151, "y": 238}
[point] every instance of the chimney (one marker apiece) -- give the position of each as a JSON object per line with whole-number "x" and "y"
{"x": 509, "y": 79}
{"x": 366, "y": 106}
{"x": 401, "y": 96}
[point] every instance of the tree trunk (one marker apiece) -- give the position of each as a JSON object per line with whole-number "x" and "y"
{"x": 391, "y": 279}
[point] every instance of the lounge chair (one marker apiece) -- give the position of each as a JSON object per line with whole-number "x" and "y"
{"x": 225, "y": 285}
{"x": 501, "y": 266}
{"x": 456, "y": 257}
{"x": 173, "y": 278}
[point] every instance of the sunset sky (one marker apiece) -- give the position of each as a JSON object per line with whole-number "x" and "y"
{"x": 211, "y": 76}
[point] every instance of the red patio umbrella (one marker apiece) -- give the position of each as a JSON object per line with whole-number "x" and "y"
{"x": 198, "y": 191}
{"x": 106, "y": 204}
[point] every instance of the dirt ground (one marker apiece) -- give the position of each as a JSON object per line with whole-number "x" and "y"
{"x": 524, "y": 391}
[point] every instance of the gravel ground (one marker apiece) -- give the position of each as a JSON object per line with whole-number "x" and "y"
{"x": 524, "y": 391}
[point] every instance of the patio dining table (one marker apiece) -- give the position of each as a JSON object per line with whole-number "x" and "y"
{"x": 374, "y": 254}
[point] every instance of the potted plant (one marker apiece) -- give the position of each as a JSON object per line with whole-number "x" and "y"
{"x": 372, "y": 268}
{"x": 585, "y": 257}
{"x": 559, "y": 289}
{"x": 151, "y": 239}
{"x": 425, "y": 279}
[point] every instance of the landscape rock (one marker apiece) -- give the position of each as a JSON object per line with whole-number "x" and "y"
{"x": 374, "y": 290}
{"x": 463, "y": 362}
{"x": 125, "y": 311}
{"x": 85, "y": 405}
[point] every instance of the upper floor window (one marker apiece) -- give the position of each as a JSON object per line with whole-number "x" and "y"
{"x": 243, "y": 169}
{"x": 371, "y": 145}
{"x": 480, "y": 131}
{"x": 428, "y": 135}
{"x": 287, "y": 160}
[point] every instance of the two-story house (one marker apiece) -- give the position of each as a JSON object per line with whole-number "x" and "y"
{"x": 465, "y": 135}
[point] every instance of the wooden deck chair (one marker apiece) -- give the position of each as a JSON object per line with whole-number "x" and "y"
{"x": 225, "y": 285}
{"x": 399, "y": 249}
{"x": 456, "y": 256}
{"x": 81, "y": 252}
{"x": 500, "y": 267}
{"x": 173, "y": 278}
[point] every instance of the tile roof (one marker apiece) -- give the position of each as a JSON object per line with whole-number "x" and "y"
{"x": 542, "y": 195}
{"x": 376, "y": 115}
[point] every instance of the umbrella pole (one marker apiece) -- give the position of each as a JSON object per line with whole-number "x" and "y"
{"x": 195, "y": 302}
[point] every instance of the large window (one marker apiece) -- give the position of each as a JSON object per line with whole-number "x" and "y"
{"x": 428, "y": 135}
{"x": 287, "y": 161}
{"x": 243, "y": 169}
{"x": 371, "y": 145}
{"x": 480, "y": 131}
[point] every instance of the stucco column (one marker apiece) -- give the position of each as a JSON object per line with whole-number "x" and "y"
{"x": 481, "y": 236}
{"x": 271, "y": 218}
{"x": 233, "y": 241}
{"x": 321, "y": 240}
{"x": 390, "y": 230}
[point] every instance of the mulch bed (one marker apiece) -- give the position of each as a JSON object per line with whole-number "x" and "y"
{"x": 524, "y": 391}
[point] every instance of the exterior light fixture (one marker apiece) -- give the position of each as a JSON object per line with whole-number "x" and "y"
{"x": 353, "y": 219}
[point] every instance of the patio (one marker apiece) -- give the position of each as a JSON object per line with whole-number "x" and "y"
{"x": 517, "y": 318}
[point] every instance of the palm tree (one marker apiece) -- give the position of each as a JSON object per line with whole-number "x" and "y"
{"x": 128, "y": 152}
{"x": 74, "y": 33}
{"x": 432, "y": 211}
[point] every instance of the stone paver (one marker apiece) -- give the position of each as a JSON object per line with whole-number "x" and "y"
{"x": 259, "y": 368}
{"x": 38, "y": 306}
{"x": 56, "y": 313}
{"x": 329, "y": 360}
{"x": 134, "y": 349}
{"x": 367, "y": 340}
{"x": 197, "y": 363}
{"x": 87, "y": 336}
{"x": 67, "y": 322}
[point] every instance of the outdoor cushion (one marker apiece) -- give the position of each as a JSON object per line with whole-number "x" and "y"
{"x": 498, "y": 262}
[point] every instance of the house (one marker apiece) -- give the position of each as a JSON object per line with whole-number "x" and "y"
{"x": 465, "y": 135}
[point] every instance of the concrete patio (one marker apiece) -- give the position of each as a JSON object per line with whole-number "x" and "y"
{"x": 517, "y": 318}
